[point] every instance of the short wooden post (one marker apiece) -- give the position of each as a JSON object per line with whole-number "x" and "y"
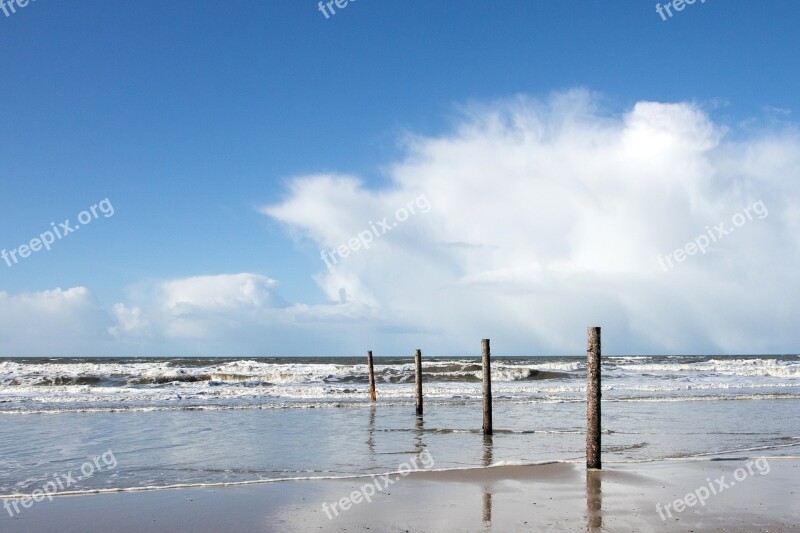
{"x": 372, "y": 395}
{"x": 487, "y": 388}
{"x": 418, "y": 379}
{"x": 593, "y": 394}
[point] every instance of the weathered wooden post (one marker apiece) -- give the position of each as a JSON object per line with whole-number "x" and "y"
{"x": 372, "y": 395}
{"x": 418, "y": 379}
{"x": 487, "y": 389}
{"x": 593, "y": 395}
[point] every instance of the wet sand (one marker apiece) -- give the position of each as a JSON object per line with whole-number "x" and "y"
{"x": 552, "y": 497}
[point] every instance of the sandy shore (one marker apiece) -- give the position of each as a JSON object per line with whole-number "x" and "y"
{"x": 557, "y": 497}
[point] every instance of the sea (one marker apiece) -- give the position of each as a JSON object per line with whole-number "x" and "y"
{"x": 185, "y": 422}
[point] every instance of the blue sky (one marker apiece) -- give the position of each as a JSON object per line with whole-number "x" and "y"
{"x": 207, "y": 124}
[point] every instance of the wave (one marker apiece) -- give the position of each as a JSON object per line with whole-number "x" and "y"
{"x": 162, "y": 373}
{"x": 724, "y": 367}
{"x": 67, "y": 380}
{"x": 117, "y": 373}
{"x": 50, "y": 385}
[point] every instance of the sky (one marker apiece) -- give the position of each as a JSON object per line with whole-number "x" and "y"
{"x": 260, "y": 178}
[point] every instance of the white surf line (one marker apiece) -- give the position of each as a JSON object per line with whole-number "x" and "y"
{"x": 278, "y": 480}
{"x": 499, "y": 464}
{"x": 703, "y": 456}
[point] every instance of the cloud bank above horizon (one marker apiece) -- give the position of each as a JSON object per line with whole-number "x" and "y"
{"x": 540, "y": 218}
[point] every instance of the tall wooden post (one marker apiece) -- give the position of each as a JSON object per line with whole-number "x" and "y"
{"x": 487, "y": 388}
{"x": 372, "y": 395}
{"x": 418, "y": 379}
{"x": 593, "y": 394}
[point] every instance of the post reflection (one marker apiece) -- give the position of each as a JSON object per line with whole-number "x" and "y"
{"x": 371, "y": 433}
{"x": 419, "y": 442}
{"x": 488, "y": 459}
{"x": 594, "y": 501}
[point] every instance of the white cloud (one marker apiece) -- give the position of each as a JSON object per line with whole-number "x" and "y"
{"x": 199, "y": 307}
{"x": 548, "y": 217}
{"x": 51, "y": 323}
{"x": 239, "y": 314}
{"x": 226, "y": 314}
{"x": 217, "y": 293}
{"x": 545, "y": 218}
{"x": 129, "y": 321}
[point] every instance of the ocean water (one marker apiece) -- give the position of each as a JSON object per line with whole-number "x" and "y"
{"x": 173, "y": 421}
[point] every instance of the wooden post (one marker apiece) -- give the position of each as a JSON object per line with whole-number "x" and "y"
{"x": 372, "y": 395}
{"x": 418, "y": 380}
{"x": 593, "y": 395}
{"x": 487, "y": 388}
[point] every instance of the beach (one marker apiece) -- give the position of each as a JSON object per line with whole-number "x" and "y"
{"x": 344, "y": 266}
{"x": 296, "y": 445}
{"x": 551, "y": 497}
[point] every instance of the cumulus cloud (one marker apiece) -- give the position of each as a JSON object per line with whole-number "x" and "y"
{"x": 198, "y": 307}
{"x": 235, "y": 314}
{"x": 52, "y": 322}
{"x": 540, "y": 218}
{"x": 547, "y": 217}
{"x": 129, "y": 321}
{"x": 226, "y": 314}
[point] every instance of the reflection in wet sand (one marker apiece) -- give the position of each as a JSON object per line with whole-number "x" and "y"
{"x": 594, "y": 501}
{"x": 371, "y": 432}
{"x": 419, "y": 443}
{"x": 488, "y": 458}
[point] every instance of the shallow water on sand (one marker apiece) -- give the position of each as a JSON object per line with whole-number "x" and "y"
{"x": 168, "y": 447}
